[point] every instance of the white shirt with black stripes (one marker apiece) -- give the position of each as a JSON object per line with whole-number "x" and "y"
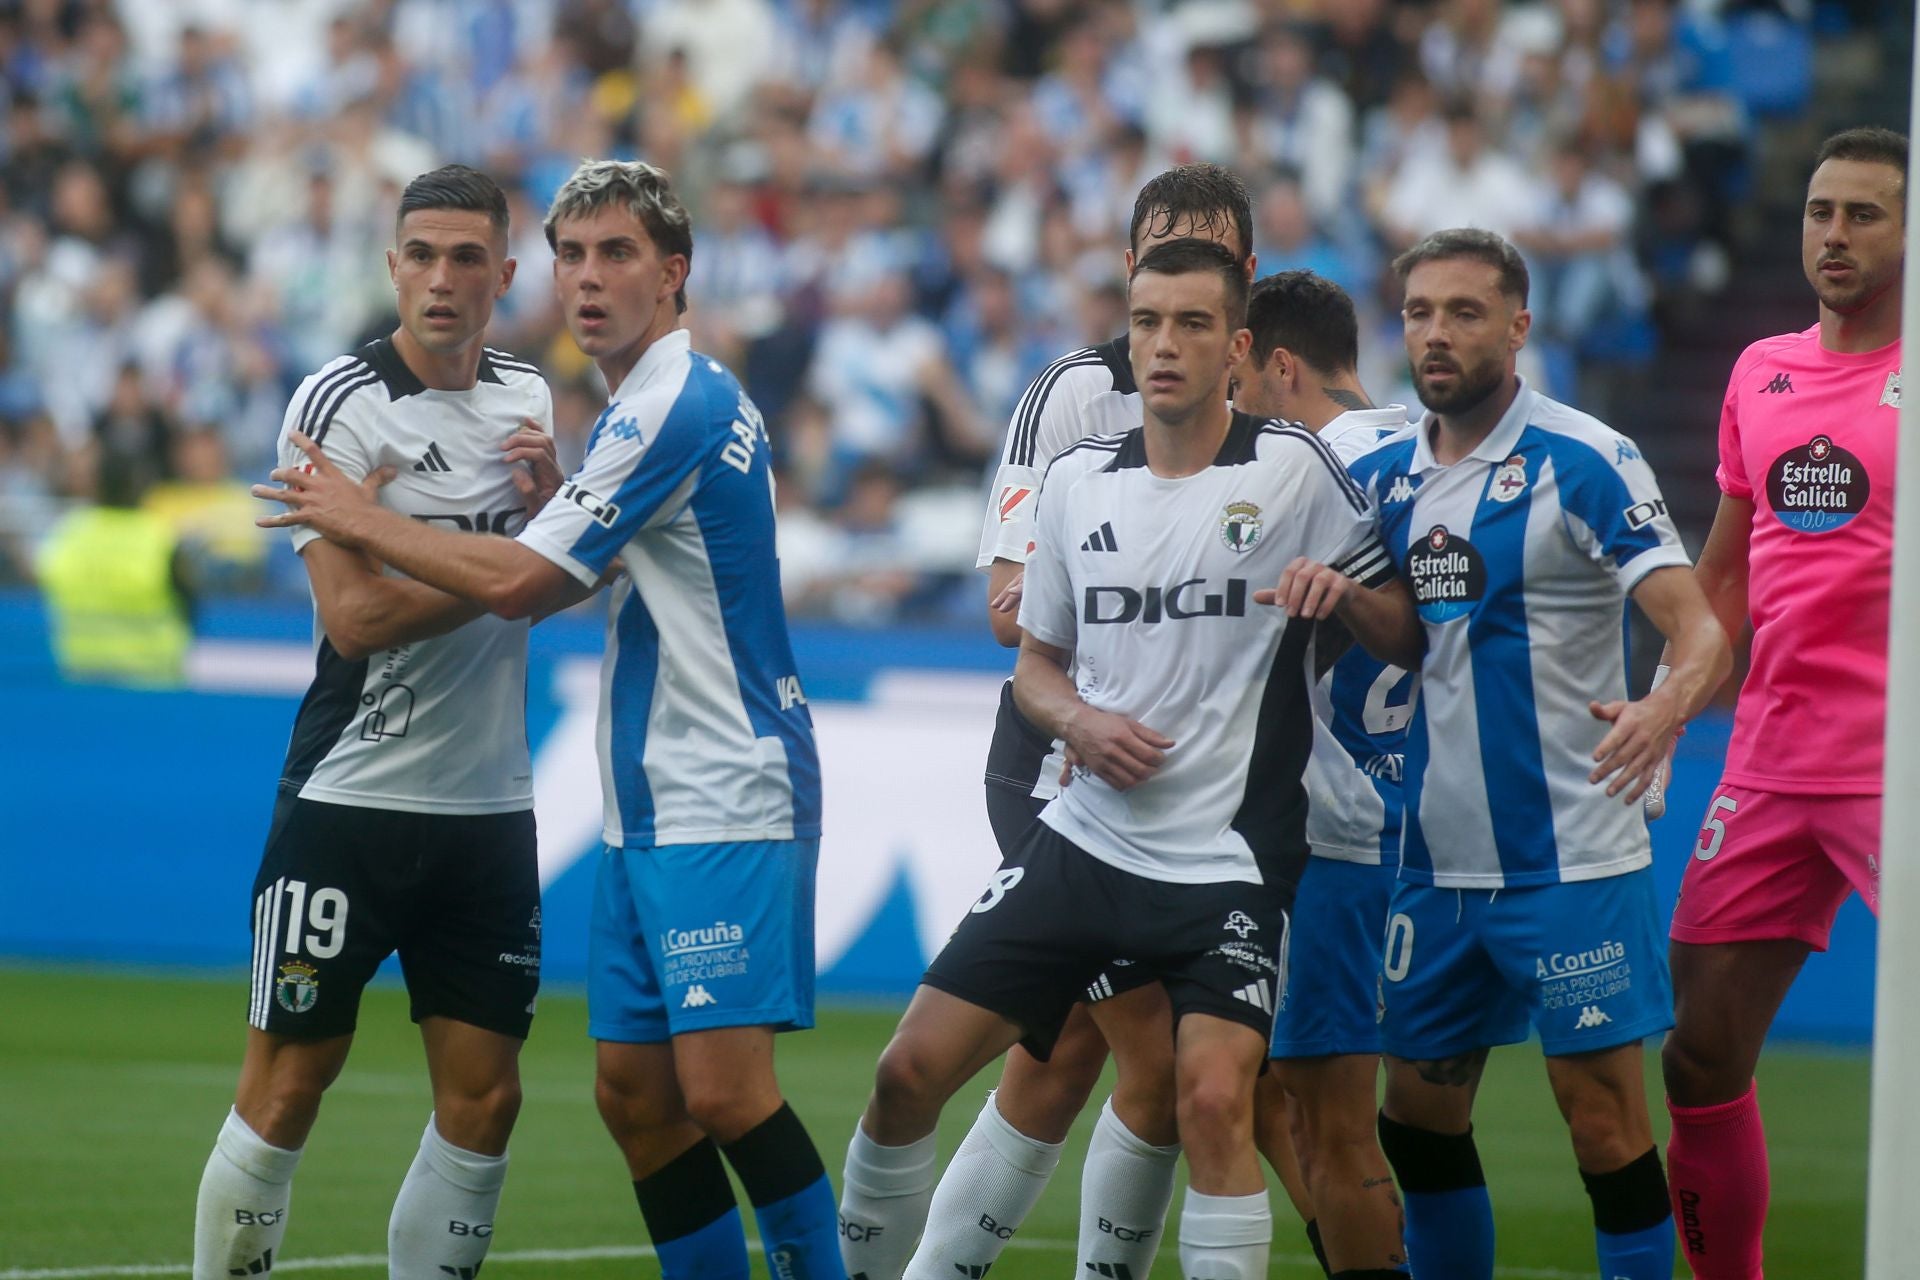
{"x": 436, "y": 726}
{"x": 1149, "y": 583}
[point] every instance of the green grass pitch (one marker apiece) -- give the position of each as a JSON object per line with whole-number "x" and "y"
{"x": 112, "y": 1087}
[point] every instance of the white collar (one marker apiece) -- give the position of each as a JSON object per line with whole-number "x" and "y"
{"x": 1499, "y": 443}
{"x": 663, "y": 351}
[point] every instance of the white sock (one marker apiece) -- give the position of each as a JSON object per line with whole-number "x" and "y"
{"x": 1125, "y": 1189}
{"x": 988, "y": 1190}
{"x": 442, "y": 1219}
{"x": 1225, "y": 1237}
{"x": 884, "y": 1196}
{"x": 242, "y": 1211}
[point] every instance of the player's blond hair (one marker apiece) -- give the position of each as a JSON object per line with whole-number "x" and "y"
{"x": 643, "y": 190}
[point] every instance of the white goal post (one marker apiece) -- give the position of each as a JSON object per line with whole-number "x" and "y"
{"x": 1893, "y": 1170}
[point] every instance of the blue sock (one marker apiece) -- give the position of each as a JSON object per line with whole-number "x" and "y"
{"x": 792, "y": 1200}
{"x": 1449, "y": 1215}
{"x": 1632, "y": 1220}
{"x": 1639, "y": 1255}
{"x": 691, "y": 1216}
{"x": 1450, "y": 1233}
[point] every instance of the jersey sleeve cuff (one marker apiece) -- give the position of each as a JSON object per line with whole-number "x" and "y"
{"x": 546, "y": 549}
{"x": 1731, "y": 485}
{"x": 1045, "y": 634}
{"x": 1630, "y": 573}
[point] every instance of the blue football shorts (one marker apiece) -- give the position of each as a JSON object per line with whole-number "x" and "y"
{"x": 1585, "y": 963}
{"x": 692, "y": 937}
{"x": 1331, "y": 1003}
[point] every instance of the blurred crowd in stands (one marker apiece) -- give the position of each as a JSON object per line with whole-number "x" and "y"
{"x": 903, "y": 210}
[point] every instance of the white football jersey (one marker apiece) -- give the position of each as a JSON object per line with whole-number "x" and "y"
{"x": 1089, "y": 392}
{"x": 1149, "y": 583}
{"x": 439, "y": 725}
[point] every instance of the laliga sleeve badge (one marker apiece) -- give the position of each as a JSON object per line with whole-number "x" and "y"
{"x": 1890, "y": 394}
{"x": 1509, "y": 479}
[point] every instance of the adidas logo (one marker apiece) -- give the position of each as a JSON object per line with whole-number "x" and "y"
{"x": 1101, "y": 988}
{"x": 973, "y": 1270}
{"x": 1257, "y": 994}
{"x": 1101, "y": 539}
{"x": 697, "y": 997}
{"x": 1401, "y": 490}
{"x": 1591, "y": 1016}
{"x": 462, "y": 1273}
{"x": 433, "y": 460}
{"x": 1111, "y": 1270}
{"x": 258, "y": 1267}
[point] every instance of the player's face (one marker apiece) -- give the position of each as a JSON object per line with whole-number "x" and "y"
{"x": 1179, "y": 342}
{"x": 1462, "y": 332}
{"x": 613, "y": 281}
{"x": 1853, "y": 236}
{"x": 449, "y": 268}
{"x": 1217, "y": 226}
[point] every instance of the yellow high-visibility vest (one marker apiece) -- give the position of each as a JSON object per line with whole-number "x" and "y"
{"x": 115, "y": 615}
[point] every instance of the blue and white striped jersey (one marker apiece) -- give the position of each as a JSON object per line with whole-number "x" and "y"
{"x": 1361, "y": 707}
{"x": 704, "y": 732}
{"x": 1520, "y": 556}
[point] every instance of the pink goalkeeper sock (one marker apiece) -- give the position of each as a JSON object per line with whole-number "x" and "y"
{"x": 1717, "y": 1170}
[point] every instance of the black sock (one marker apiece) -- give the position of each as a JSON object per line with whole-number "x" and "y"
{"x": 1426, "y": 1162}
{"x": 687, "y": 1193}
{"x": 1631, "y": 1198}
{"x": 776, "y": 1158}
{"x": 1319, "y": 1246}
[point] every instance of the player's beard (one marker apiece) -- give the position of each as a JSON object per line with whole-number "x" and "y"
{"x": 1865, "y": 290}
{"x": 1471, "y": 386}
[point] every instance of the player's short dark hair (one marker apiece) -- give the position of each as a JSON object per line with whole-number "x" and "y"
{"x": 1871, "y": 144}
{"x": 1307, "y": 314}
{"x": 1200, "y": 195}
{"x": 642, "y": 190}
{"x": 1474, "y": 243}
{"x": 1189, "y": 255}
{"x": 455, "y": 186}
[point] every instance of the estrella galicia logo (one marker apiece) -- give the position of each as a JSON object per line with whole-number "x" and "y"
{"x": 1817, "y": 487}
{"x": 1448, "y": 575}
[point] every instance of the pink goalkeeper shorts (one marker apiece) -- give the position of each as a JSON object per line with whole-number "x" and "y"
{"x": 1770, "y": 864}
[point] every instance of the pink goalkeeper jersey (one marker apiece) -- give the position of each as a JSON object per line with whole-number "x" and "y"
{"x": 1808, "y": 435}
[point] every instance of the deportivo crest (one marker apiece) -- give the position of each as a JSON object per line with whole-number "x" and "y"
{"x": 297, "y": 987}
{"x": 1240, "y": 526}
{"x": 1509, "y": 479}
{"x": 1890, "y": 394}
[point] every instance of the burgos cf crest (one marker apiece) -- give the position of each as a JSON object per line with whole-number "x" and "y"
{"x": 1240, "y": 527}
{"x": 297, "y": 987}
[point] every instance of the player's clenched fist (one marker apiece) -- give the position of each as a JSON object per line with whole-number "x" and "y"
{"x": 1307, "y": 589}
{"x": 1120, "y": 752}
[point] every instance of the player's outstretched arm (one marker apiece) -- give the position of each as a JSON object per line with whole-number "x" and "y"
{"x": 1635, "y": 748}
{"x": 364, "y": 611}
{"x": 1122, "y": 753}
{"x": 1381, "y": 618}
{"x": 494, "y": 572}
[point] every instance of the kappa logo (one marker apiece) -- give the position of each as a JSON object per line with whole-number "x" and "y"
{"x": 1623, "y": 451}
{"x": 1401, "y": 490}
{"x": 433, "y": 460}
{"x": 1258, "y": 994}
{"x": 1591, "y": 1015}
{"x": 1101, "y": 539}
{"x": 1782, "y": 384}
{"x": 1241, "y": 923}
{"x": 697, "y": 997}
